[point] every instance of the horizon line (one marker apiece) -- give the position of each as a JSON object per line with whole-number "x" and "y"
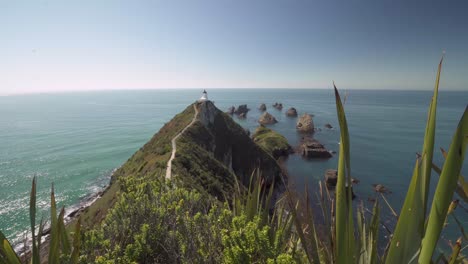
{"x": 215, "y": 88}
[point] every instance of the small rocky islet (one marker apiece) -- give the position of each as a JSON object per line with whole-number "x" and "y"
{"x": 308, "y": 148}
{"x": 277, "y": 145}
{"x": 292, "y": 112}
{"x": 267, "y": 119}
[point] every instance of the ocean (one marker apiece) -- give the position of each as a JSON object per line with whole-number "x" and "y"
{"x": 75, "y": 140}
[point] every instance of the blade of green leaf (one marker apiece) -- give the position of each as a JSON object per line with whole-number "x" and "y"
{"x": 429, "y": 138}
{"x": 344, "y": 231}
{"x": 63, "y": 233}
{"x": 410, "y": 226}
{"x": 39, "y": 234}
{"x": 445, "y": 189}
{"x": 54, "y": 250}
{"x": 76, "y": 242}
{"x": 7, "y": 251}
{"x": 32, "y": 217}
{"x": 374, "y": 230}
{"x": 459, "y": 189}
{"x": 462, "y": 187}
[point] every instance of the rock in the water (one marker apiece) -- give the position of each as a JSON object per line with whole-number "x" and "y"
{"x": 231, "y": 110}
{"x": 331, "y": 177}
{"x": 292, "y": 112}
{"x": 380, "y": 188}
{"x": 266, "y": 119}
{"x": 242, "y": 115}
{"x": 305, "y": 124}
{"x": 278, "y": 106}
{"x": 242, "y": 109}
{"x": 262, "y": 107}
{"x": 328, "y": 126}
{"x": 311, "y": 148}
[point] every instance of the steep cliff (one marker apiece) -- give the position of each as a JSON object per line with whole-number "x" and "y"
{"x": 215, "y": 149}
{"x": 210, "y": 154}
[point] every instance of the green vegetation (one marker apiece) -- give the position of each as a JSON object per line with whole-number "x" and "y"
{"x": 211, "y": 156}
{"x": 151, "y": 159}
{"x": 60, "y": 248}
{"x": 415, "y": 237}
{"x": 219, "y": 209}
{"x": 153, "y": 156}
{"x": 271, "y": 141}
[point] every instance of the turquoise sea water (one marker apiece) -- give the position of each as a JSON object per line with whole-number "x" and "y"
{"x": 76, "y": 140}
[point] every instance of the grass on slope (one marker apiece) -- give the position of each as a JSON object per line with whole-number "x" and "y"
{"x": 149, "y": 160}
{"x": 271, "y": 141}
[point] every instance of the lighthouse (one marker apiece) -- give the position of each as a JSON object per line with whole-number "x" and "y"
{"x": 204, "y": 97}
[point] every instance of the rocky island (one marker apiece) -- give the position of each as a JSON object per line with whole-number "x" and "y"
{"x": 272, "y": 142}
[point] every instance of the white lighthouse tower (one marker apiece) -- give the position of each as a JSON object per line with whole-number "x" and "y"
{"x": 204, "y": 97}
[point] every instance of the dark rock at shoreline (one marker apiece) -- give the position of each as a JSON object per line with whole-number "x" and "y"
{"x": 331, "y": 177}
{"x": 278, "y": 106}
{"x": 311, "y": 148}
{"x": 292, "y": 112}
{"x": 328, "y": 126}
{"x": 231, "y": 110}
{"x": 267, "y": 119}
{"x": 262, "y": 107}
{"x": 242, "y": 115}
{"x": 305, "y": 124}
{"x": 242, "y": 109}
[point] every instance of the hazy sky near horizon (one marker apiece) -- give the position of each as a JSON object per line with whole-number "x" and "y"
{"x": 361, "y": 44}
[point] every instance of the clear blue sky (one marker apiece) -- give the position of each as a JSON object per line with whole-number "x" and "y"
{"x": 367, "y": 44}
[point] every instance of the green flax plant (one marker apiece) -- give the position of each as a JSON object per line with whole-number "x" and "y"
{"x": 416, "y": 236}
{"x": 60, "y": 249}
{"x": 416, "y": 233}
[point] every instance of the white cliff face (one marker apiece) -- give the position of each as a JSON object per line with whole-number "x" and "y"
{"x": 206, "y": 113}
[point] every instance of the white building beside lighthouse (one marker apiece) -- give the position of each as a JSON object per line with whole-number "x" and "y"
{"x": 204, "y": 97}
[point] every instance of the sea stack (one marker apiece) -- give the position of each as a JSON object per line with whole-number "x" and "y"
{"x": 267, "y": 119}
{"x": 305, "y": 124}
{"x": 278, "y": 106}
{"x": 242, "y": 109}
{"x": 262, "y": 107}
{"x": 292, "y": 112}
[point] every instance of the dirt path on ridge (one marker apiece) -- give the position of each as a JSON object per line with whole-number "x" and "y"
{"x": 173, "y": 142}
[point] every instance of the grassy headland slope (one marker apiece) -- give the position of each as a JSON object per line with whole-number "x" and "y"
{"x": 210, "y": 153}
{"x": 271, "y": 141}
{"x": 149, "y": 160}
